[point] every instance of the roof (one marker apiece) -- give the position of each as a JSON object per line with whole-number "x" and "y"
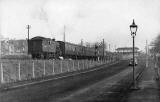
{"x": 69, "y": 43}
{"x": 40, "y": 38}
{"x": 127, "y": 48}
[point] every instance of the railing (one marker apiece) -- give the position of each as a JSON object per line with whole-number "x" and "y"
{"x": 18, "y": 70}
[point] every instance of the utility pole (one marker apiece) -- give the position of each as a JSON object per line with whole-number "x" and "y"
{"x": 146, "y": 54}
{"x": 115, "y": 48}
{"x": 0, "y": 43}
{"x": 64, "y": 39}
{"x": 28, "y": 27}
{"x": 81, "y": 42}
{"x": 0, "y": 48}
{"x": 103, "y": 49}
{"x": 109, "y": 47}
{"x": 106, "y": 47}
{"x": 64, "y": 36}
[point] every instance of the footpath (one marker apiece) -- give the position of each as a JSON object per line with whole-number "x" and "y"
{"x": 148, "y": 91}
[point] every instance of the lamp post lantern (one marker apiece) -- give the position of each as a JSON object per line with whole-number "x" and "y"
{"x": 133, "y": 29}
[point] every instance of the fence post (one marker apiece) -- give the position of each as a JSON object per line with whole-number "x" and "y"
{"x": 111, "y": 59}
{"x": 44, "y": 69}
{"x": 68, "y": 65}
{"x": 83, "y": 64}
{"x": 73, "y": 65}
{"x": 61, "y": 66}
{"x": 33, "y": 70}
{"x": 78, "y": 66}
{"x": 2, "y": 80}
{"x": 53, "y": 72}
{"x": 19, "y": 71}
{"x": 87, "y": 64}
{"x": 90, "y": 64}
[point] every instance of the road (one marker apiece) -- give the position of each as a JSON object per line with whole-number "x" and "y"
{"x": 78, "y": 88}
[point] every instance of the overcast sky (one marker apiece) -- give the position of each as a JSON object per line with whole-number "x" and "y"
{"x": 90, "y": 20}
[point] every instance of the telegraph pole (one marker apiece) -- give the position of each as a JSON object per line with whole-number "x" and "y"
{"x": 115, "y": 48}
{"x": 109, "y": 47}
{"x": 81, "y": 42}
{"x": 146, "y": 54}
{"x": 103, "y": 49}
{"x": 0, "y": 48}
{"x": 64, "y": 36}
{"x": 28, "y": 27}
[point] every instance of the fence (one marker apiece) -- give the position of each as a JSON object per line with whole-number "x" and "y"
{"x": 17, "y": 70}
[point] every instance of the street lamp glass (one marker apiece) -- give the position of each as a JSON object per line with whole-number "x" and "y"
{"x": 133, "y": 28}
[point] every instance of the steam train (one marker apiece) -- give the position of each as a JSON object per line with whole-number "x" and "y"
{"x": 46, "y": 48}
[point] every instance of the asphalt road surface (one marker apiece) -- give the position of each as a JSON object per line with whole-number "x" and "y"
{"x": 77, "y": 88}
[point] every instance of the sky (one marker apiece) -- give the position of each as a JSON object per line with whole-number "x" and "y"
{"x": 90, "y": 20}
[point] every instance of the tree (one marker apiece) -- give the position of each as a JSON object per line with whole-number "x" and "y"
{"x": 156, "y": 45}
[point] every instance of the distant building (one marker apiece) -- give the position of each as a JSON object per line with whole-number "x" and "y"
{"x": 12, "y": 46}
{"x": 127, "y": 52}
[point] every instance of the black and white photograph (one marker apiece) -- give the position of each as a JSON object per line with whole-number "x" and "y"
{"x": 79, "y": 51}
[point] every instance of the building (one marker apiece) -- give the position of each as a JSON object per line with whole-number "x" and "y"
{"x": 13, "y": 47}
{"x": 127, "y": 52}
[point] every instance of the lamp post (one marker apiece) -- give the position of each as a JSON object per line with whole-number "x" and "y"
{"x": 133, "y": 29}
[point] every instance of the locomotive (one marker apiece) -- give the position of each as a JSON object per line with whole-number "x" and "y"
{"x": 40, "y": 47}
{"x": 46, "y": 48}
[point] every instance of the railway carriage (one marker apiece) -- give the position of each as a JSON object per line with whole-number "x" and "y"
{"x": 70, "y": 50}
{"x": 90, "y": 52}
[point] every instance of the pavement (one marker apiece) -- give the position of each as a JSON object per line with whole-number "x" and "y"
{"x": 148, "y": 87}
